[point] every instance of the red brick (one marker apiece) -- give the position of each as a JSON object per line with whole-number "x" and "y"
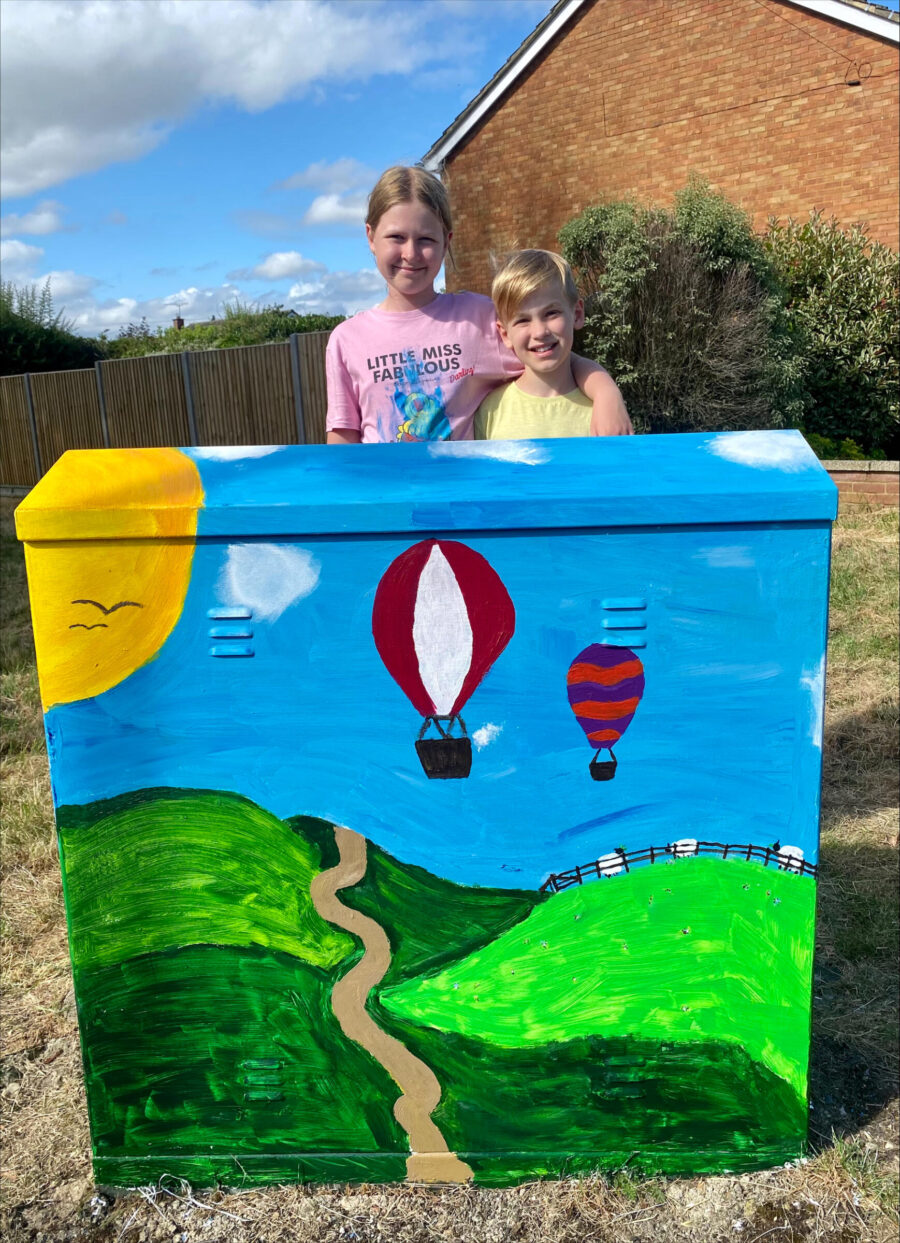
{"x": 731, "y": 91}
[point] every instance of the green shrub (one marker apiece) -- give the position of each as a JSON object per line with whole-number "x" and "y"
{"x": 240, "y": 325}
{"x": 837, "y": 450}
{"x": 841, "y": 293}
{"x": 35, "y": 338}
{"x": 683, "y": 308}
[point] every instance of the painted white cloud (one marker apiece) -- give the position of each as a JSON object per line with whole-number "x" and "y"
{"x": 116, "y": 78}
{"x": 733, "y": 672}
{"x": 267, "y": 578}
{"x": 233, "y": 453}
{"x": 280, "y": 265}
{"x": 813, "y": 682}
{"x": 763, "y": 450}
{"x": 524, "y": 452}
{"x": 726, "y": 556}
{"x": 484, "y": 736}
{"x": 45, "y": 218}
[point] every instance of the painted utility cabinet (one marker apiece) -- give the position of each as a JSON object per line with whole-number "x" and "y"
{"x": 442, "y": 812}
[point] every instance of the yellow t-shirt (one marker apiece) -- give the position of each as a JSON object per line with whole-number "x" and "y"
{"x": 509, "y": 414}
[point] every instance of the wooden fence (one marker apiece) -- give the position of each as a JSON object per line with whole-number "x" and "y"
{"x": 251, "y": 395}
{"x": 786, "y": 858}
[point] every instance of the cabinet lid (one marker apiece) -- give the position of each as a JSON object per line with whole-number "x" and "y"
{"x": 633, "y": 481}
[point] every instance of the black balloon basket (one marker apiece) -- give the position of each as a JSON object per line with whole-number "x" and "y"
{"x": 603, "y": 770}
{"x": 447, "y": 756}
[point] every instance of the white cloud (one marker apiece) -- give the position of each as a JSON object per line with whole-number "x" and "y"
{"x": 58, "y": 152}
{"x": 45, "y": 218}
{"x": 324, "y": 293}
{"x": 331, "y": 176}
{"x": 303, "y": 290}
{"x": 21, "y": 264}
{"x": 337, "y": 209}
{"x": 65, "y": 286}
{"x": 486, "y": 735}
{"x": 786, "y": 451}
{"x": 91, "y": 316}
{"x": 115, "y": 78}
{"x": 267, "y": 578}
{"x": 338, "y": 293}
{"x": 280, "y": 265}
{"x": 523, "y": 452}
{"x": 19, "y": 260}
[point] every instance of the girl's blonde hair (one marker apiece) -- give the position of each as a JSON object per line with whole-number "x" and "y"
{"x": 401, "y": 184}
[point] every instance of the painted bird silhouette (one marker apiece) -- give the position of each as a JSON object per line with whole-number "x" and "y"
{"x": 112, "y": 608}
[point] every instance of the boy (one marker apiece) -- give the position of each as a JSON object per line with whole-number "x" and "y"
{"x": 538, "y": 310}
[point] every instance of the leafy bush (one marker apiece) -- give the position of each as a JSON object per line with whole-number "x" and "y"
{"x": 240, "y": 325}
{"x": 683, "y": 307}
{"x": 841, "y": 293}
{"x": 837, "y": 450}
{"x": 35, "y": 338}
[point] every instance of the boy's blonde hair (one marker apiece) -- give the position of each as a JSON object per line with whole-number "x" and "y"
{"x": 525, "y": 272}
{"x": 402, "y": 184}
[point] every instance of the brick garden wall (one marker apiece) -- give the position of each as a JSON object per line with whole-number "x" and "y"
{"x": 873, "y": 483}
{"x": 636, "y": 95}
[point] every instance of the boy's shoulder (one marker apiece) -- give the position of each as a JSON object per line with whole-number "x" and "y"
{"x": 503, "y": 394}
{"x": 511, "y": 396}
{"x": 507, "y": 413}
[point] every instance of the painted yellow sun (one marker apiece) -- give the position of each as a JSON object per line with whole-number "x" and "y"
{"x": 109, "y": 539}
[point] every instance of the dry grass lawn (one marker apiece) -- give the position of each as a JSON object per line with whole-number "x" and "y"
{"x": 845, "y": 1192}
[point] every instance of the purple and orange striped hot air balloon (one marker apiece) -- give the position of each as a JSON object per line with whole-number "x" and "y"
{"x": 605, "y": 687}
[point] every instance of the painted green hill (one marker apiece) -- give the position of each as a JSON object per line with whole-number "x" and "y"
{"x": 700, "y": 950}
{"x": 220, "y": 1062}
{"x": 554, "y": 1110}
{"x": 164, "y": 868}
{"x": 428, "y": 920}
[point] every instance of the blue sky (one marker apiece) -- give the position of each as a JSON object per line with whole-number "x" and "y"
{"x": 158, "y": 153}
{"x": 166, "y": 154}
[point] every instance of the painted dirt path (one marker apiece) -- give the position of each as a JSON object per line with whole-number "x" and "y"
{"x": 431, "y": 1159}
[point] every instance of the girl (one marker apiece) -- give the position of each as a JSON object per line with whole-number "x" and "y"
{"x": 417, "y": 366}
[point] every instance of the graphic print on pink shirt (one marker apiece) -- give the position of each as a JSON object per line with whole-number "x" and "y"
{"x": 450, "y": 357}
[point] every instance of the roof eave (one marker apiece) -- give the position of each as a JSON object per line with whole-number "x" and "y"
{"x": 527, "y": 51}
{"x": 849, "y": 15}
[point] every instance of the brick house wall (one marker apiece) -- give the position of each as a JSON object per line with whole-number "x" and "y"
{"x": 635, "y": 95}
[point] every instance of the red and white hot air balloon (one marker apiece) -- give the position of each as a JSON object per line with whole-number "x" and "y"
{"x": 441, "y": 618}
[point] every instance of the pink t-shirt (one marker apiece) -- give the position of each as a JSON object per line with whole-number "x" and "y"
{"x": 416, "y": 375}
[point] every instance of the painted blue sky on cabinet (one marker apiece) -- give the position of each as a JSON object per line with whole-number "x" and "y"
{"x": 729, "y": 728}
